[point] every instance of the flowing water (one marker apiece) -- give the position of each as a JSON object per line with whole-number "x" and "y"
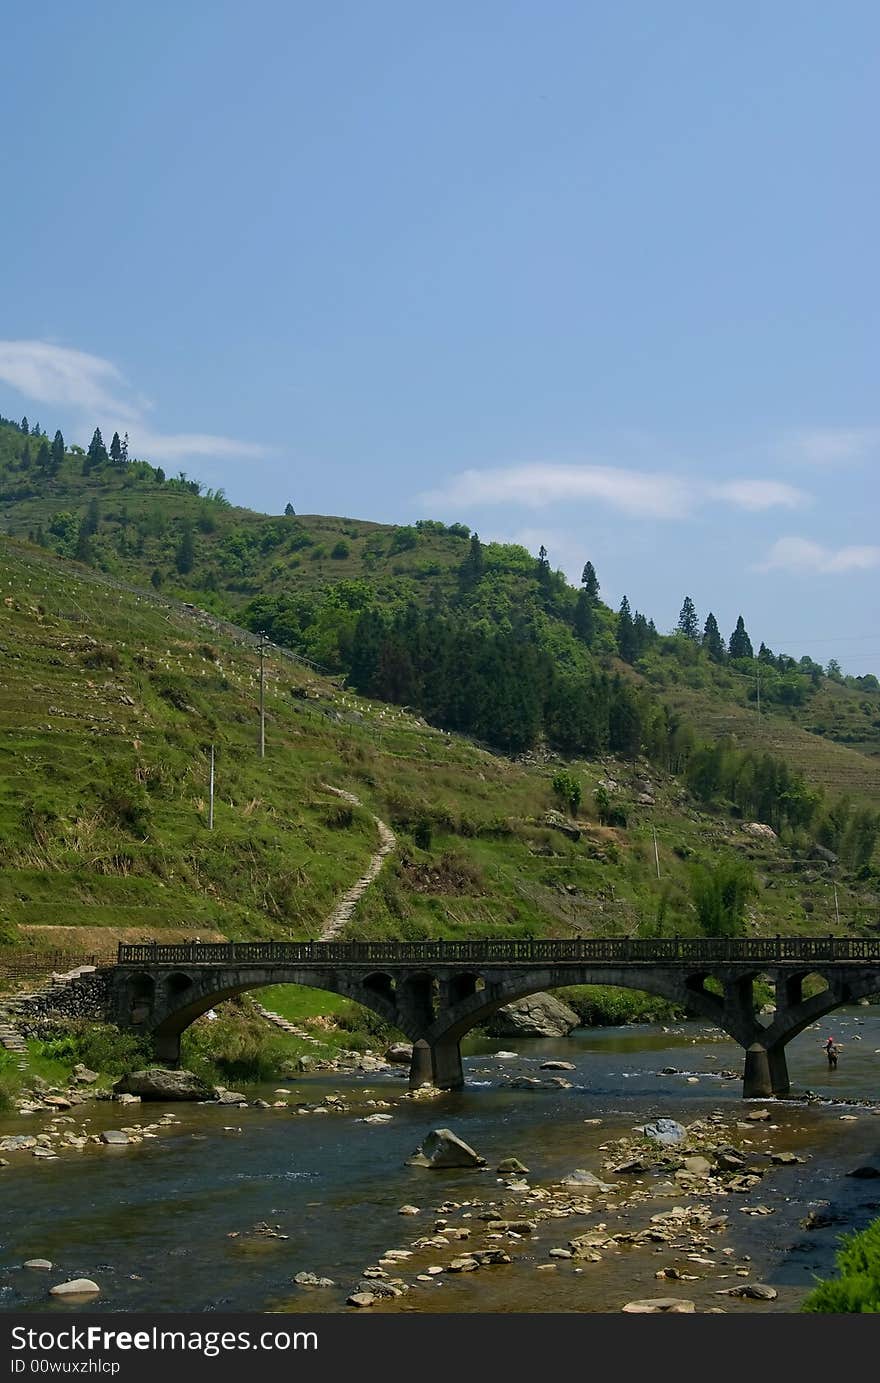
{"x": 168, "y": 1224}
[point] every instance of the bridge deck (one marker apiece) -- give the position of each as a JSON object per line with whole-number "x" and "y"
{"x": 578, "y": 951}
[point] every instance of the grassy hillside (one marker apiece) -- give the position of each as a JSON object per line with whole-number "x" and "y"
{"x": 310, "y": 579}
{"x": 109, "y": 702}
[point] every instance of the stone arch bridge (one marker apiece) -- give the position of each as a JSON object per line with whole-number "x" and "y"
{"x": 436, "y": 991}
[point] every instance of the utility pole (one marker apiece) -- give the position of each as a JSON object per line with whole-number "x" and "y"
{"x": 262, "y": 701}
{"x": 656, "y": 851}
{"x": 211, "y": 796}
{"x": 836, "y": 905}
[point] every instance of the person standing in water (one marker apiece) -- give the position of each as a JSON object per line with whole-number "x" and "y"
{"x": 831, "y": 1053}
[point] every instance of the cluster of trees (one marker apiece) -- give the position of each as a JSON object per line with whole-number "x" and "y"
{"x": 768, "y": 789}
{"x": 739, "y": 644}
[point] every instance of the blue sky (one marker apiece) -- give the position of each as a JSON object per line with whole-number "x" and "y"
{"x": 602, "y": 276}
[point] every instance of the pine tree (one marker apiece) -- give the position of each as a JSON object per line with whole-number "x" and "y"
{"x": 96, "y": 454}
{"x": 712, "y": 640}
{"x": 473, "y": 566}
{"x": 25, "y": 427}
{"x": 159, "y": 477}
{"x": 186, "y": 551}
{"x": 584, "y": 618}
{"x": 590, "y": 582}
{"x": 57, "y": 453}
{"x": 687, "y": 620}
{"x": 125, "y": 450}
{"x": 543, "y": 566}
{"x": 44, "y": 456}
{"x": 116, "y": 450}
{"x": 740, "y": 644}
{"x": 289, "y": 510}
{"x": 24, "y": 459}
{"x": 626, "y": 634}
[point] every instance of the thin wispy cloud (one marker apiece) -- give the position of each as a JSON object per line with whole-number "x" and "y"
{"x": 760, "y": 494}
{"x": 97, "y": 391}
{"x": 635, "y": 494}
{"x": 828, "y": 446}
{"x": 801, "y": 556}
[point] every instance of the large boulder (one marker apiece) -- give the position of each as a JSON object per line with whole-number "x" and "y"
{"x": 156, "y": 1083}
{"x": 443, "y": 1148}
{"x": 666, "y": 1132}
{"x": 538, "y": 1015}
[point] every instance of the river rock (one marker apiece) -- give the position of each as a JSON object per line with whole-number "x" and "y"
{"x": 155, "y": 1083}
{"x": 83, "y": 1076}
{"x": 17, "y": 1142}
{"x": 561, "y": 823}
{"x": 759, "y": 830}
{"x": 76, "y": 1287}
{"x": 581, "y": 1178}
{"x": 443, "y": 1148}
{"x": 362, "y": 1299}
{"x": 513, "y": 1164}
{"x": 538, "y": 1015}
{"x": 558, "y": 1066}
{"x": 865, "y": 1172}
{"x": 42, "y": 1264}
{"x": 666, "y": 1132}
{"x": 652, "y": 1306}
{"x": 115, "y": 1137}
{"x": 697, "y": 1165}
{"x": 224, "y": 1096}
{"x": 758, "y": 1291}
{"x": 310, "y": 1280}
{"x": 399, "y": 1053}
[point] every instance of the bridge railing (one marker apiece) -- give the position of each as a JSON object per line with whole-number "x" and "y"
{"x": 583, "y": 950}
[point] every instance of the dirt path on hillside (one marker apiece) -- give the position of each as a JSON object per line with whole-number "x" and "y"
{"x": 343, "y": 910}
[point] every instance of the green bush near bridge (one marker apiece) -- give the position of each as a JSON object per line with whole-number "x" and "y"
{"x": 857, "y": 1289}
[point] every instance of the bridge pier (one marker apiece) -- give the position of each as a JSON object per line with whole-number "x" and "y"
{"x": 766, "y": 1072}
{"x": 438, "y": 1064}
{"x": 167, "y": 1048}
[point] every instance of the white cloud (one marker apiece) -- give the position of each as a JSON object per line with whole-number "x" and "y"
{"x": 828, "y": 446}
{"x": 177, "y": 446}
{"x": 637, "y": 494}
{"x": 97, "y": 391}
{"x": 67, "y": 378}
{"x": 801, "y": 555}
{"x": 760, "y": 494}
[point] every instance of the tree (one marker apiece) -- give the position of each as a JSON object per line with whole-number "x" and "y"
{"x": 833, "y": 670}
{"x": 543, "y": 566}
{"x": 584, "y": 618}
{"x": 44, "y": 456}
{"x": 159, "y": 477}
{"x": 567, "y": 789}
{"x": 712, "y": 640}
{"x": 687, "y": 620}
{"x": 627, "y": 645}
{"x": 25, "y": 427}
{"x": 590, "y": 582}
{"x": 116, "y": 450}
{"x": 155, "y": 578}
{"x": 186, "y": 551}
{"x": 96, "y": 454}
{"x": 473, "y": 566}
{"x": 719, "y": 896}
{"x": 740, "y": 644}
{"x": 289, "y": 510}
{"x": 57, "y": 452}
{"x": 125, "y": 450}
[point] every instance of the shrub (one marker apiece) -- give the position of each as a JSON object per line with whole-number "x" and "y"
{"x": 567, "y": 790}
{"x": 857, "y": 1290}
{"x": 100, "y": 1046}
{"x": 340, "y": 551}
{"x": 422, "y": 833}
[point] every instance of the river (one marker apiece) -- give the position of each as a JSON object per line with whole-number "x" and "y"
{"x": 169, "y": 1224}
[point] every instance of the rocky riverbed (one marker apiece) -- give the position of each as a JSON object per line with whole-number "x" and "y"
{"x": 305, "y": 1196}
